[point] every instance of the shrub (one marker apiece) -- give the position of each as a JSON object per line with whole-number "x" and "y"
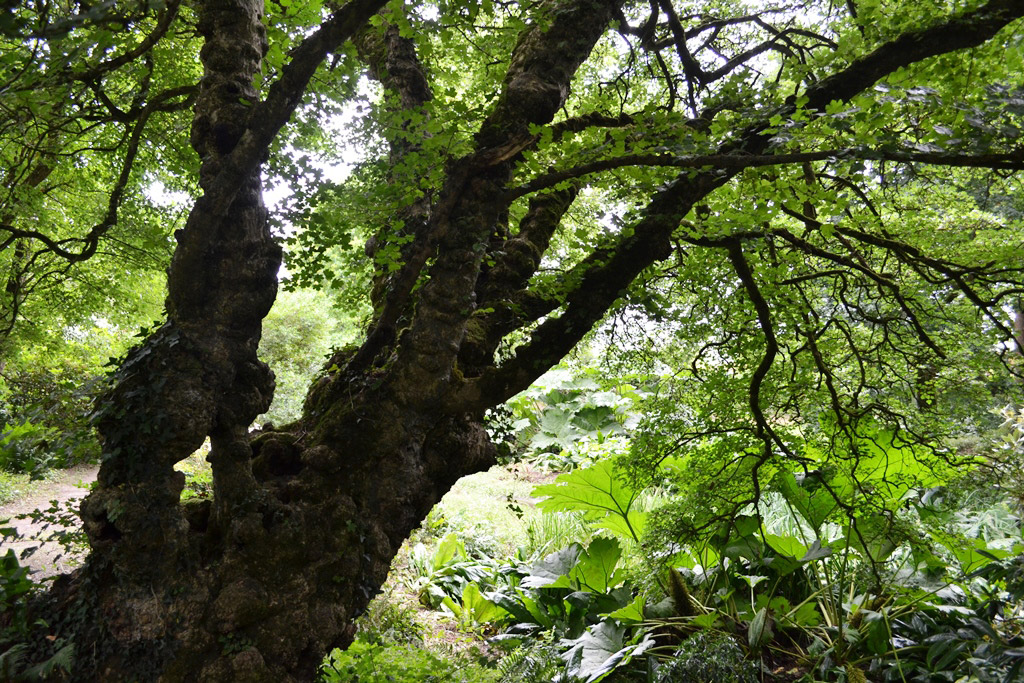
{"x": 368, "y": 663}
{"x": 45, "y": 420}
{"x": 710, "y": 658}
{"x": 388, "y": 621}
{"x": 25, "y": 448}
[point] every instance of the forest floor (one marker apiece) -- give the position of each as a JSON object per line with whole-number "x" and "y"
{"x": 35, "y": 530}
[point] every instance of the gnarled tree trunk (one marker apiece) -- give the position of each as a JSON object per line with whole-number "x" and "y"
{"x": 259, "y": 583}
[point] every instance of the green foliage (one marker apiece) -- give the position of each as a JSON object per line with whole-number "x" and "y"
{"x": 602, "y": 494}
{"x": 485, "y": 527}
{"x": 708, "y": 657}
{"x": 15, "y": 589}
{"x": 46, "y": 397}
{"x": 552, "y": 530}
{"x": 847, "y": 581}
{"x": 82, "y": 244}
{"x": 604, "y": 647}
{"x": 198, "y": 475}
{"x": 12, "y": 485}
{"x": 535, "y": 661}
{"x": 473, "y": 610}
{"x": 858, "y": 567}
{"x": 25, "y": 448}
{"x": 447, "y": 572}
{"x": 299, "y": 333}
{"x": 817, "y": 323}
{"x": 388, "y": 621}
{"x": 567, "y": 595}
{"x": 369, "y": 663}
{"x": 1009, "y": 458}
{"x": 569, "y": 419}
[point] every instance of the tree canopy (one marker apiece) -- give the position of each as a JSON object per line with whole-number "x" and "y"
{"x": 815, "y": 209}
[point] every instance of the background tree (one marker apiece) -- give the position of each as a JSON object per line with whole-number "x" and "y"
{"x": 780, "y": 163}
{"x": 94, "y": 103}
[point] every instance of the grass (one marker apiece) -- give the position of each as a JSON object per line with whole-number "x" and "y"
{"x": 14, "y": 486}
{"x": 493, "y": 514}
{"x": 490, "y": 511}
{"x": 198, "y": 474}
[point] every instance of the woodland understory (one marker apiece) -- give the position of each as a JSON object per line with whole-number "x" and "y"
{"x": 793, "y": 236}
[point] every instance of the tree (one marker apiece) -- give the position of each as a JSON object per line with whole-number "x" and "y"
{"x": 781, "y": 163}
{"x": 85, "y": 132}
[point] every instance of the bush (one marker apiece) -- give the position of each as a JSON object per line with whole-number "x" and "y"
{"x": 709, "y": 658}
{"x": 367, "y": 663}
{"x": 25, "y": 448}
{"x": 387, "y": 621}
{"x": 44, "y": 421}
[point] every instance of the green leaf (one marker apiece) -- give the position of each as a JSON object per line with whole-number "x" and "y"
{"x": 816, "y": 552}
{"x": 598, "y": 489}
{"x": 601, "y": 650}
{"x": 872, "y": 536}
{"x": 448, "y": 549}
{"x": 760, "y": 632}
{"x": 875, "y": 630}
{"x": 595, "y": 570}
{"x": 709, "y": 620}
{"x": 813, "y": 504}
{"x": 786, "y": 545}
{"x": 632, "y": 613}
{"x": 553, "y": 566}
{"x": 476, "y": 609}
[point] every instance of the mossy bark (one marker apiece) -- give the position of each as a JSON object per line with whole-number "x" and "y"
{"x": 259, "y": 583}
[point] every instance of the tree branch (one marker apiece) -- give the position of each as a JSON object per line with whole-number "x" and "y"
{"x": 604, "y": 275}
{"x": 1008, "y": 161}
{"x": 167, "y": 17}
{"x": 283, "y": 97}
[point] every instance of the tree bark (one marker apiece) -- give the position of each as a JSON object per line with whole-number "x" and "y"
{"x": 261, "y": 582}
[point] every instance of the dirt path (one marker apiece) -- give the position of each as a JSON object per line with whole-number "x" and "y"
{"x": 49, "y": 559}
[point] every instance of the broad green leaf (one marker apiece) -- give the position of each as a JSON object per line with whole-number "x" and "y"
{"x": 539, "y": 615}
{"x": 971, "y": 554}
{"x": 875, "y": 630}
{"x": 872, "y": 536}
{"x": 630, "y": 526}
{"x": 761, "y": 631}
{"x": 596, "y": 489}
{"x": 600, "y": 650}
{"x": 479, "y": 609}
{"x": 786, "y": 545}
{"x": 514, "y": 607}
{"x": 709, "y": 620}
{"x": 816, "y": 552}
{"x": 632, "y": 613}
{"x": 813, "y": 505}
{"x": 448, "y": 549}
{"x": 551, "y": 567}
{"x": 595, "y": 570}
